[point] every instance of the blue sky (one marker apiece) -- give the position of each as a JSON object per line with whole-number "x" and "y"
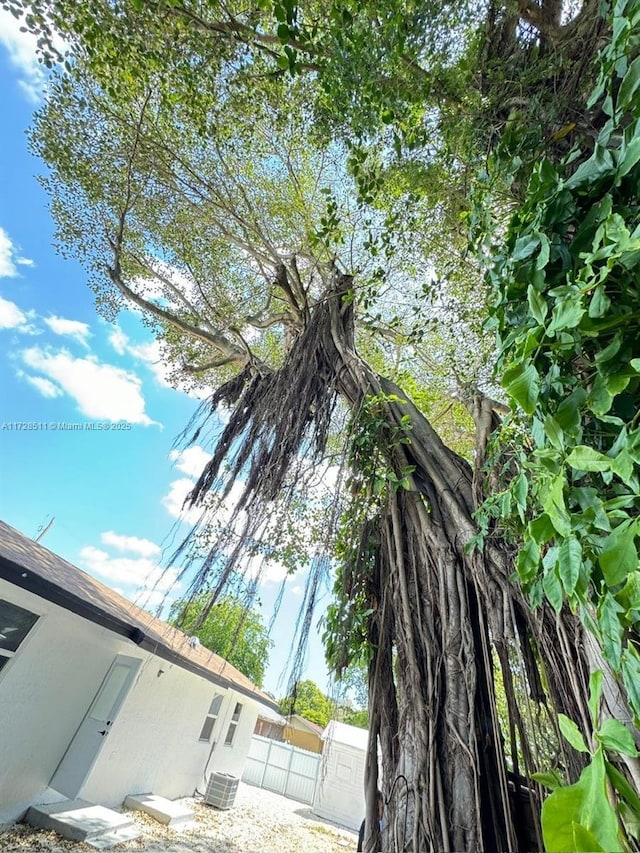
{"x": 87, "y": 419}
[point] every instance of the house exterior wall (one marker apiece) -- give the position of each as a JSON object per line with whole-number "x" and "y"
{"x": 269, "y": 729}
{"x": 47, "y": 688}
{"x": 340, "y": 790}
{"x": 45, "y": 691}
{"x": 304, "y": 739}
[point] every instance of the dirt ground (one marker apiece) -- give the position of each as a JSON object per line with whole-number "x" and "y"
{"x": 259, "y": 822}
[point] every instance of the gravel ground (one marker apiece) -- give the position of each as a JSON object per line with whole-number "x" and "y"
{"x": 259, "y": 822}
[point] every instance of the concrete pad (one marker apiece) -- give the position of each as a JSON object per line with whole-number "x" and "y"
{"x": 110, "y": 839}
{"x": 79, "y": 820}
{"x": 164, "y": 811}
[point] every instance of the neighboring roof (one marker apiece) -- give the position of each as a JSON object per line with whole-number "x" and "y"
{"x": 306, "y": 724}
{"x": 272, "y": 716}
{"x": 32, "y": 567}
{"x": 349, "y": 735}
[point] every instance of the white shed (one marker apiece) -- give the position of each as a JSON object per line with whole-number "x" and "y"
{"x": 98, "y": 699}
{"x": 339, "y": 793}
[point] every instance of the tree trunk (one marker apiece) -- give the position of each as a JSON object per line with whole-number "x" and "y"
{"x": 432, "y": 702}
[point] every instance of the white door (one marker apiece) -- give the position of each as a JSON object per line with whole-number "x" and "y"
{"x": 93, "y": 731}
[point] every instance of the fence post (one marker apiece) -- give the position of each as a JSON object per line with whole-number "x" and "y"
{"x": 266, "y": 764}
{"x": 286, "y": 781}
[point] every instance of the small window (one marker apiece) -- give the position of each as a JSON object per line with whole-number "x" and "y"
{"x": 15, "y": 624}
{"x": 233, "y": 725}
{"x": 210, "y": 719}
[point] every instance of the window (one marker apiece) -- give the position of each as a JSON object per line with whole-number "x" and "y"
{"x": 210, "y": 719}
{"x": 233, "y": 725}
{"x": 15, "y": 624}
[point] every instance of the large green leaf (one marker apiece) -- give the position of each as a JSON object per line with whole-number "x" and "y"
{"x": 570, "y": 562}
{"x": 585, "y": 458}
{"x": 629, "y": 85}
{"x": 611, "y": 629}
{"x": 553, "y": 589}
{"x": 554, "y": 505}
{"x": 597, "y": 166}
{"x": 618, "y": 556}
{"x": 586, "y": 805}
{"x": 567, "y": 314}
{"x": 522, "y": 382}
{"x": 537, "y": 304}
{"x": 572, "y": 733}
{"x": 525, "y": 246}
{"x": 616, "y": 736}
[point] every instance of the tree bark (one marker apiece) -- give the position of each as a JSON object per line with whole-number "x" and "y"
{"x": 433, "y": 716}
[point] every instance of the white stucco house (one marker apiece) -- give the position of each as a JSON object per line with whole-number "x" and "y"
{"x": 339, "y": 794}
{"x": 99, "y": 699}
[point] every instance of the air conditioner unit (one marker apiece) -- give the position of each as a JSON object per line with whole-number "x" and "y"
{"x": 221, "y": 790}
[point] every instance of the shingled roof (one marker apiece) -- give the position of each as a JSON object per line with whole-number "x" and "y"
{"x": 32, "y": 567}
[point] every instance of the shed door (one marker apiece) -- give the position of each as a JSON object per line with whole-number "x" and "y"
{"x": 93, "y": 731}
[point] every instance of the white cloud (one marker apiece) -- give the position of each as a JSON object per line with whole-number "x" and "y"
{"x": 118, "y": 340}
{"x": 272, "y": 571}
{"x": 11, "y": 317}
{"x": 174, "y": 500}
{"x": 8, "y": 256}
{"x": 150, "y": 354}
{"x": 72, "y": 328}
{"x": 190, "y": 461}
{"x": 141, "y": 572}
{"x": 44, "y": 386}
{"x": 132, "y": 544}
{"x": 21, "y": 48}
{"x": 101, "y": 391}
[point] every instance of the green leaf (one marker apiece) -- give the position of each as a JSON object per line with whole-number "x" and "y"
{"x": 629, "y": 156}
{"x": 616, "y": 736}
{"x": 623, "y": 787}
{"x": 611, "y": 629}
{"x": 568, "y": 412}
{"x": 586, "y": 804}
{"x": 519, "y": 489}
{"x": 554, "y": 432}
{"x": 522, "y": 382}
{"x": 524, "y": 247}
{"x": 596, "y": 167}
{"x": 550, "y": 780}
{"x": 537, "y": 304}
{"x": 629, "y": 85}
{"x": 629, "y": 595}
{"x": 528, "y": 560}
{"x": 584, "y": 458}
{"x": 570, "y": 562}
{"x": 541, "y": 529}
{"x": 572, "y": 733}
{"x": 630, "y": 666}
{"x": 600, "y": 302}
{"x": 595, "y": 692}
{"x": 567, "y": 314}
{"x": 584, "y": 841}
{"x": 618, "y": 556}
{"x": 623, "y": 466}
{"x": 600, "y": 400}
{"x": 553, "y": 590}
{"x": 543, "y": 256}
{"x": 553, "y": 504}
{"x": 630, "y": 820}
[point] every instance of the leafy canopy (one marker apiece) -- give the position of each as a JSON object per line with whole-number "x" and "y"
{"x": 228, "y": 629}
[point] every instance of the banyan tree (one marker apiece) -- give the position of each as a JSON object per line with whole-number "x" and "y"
{"x": 316, "y": 281}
